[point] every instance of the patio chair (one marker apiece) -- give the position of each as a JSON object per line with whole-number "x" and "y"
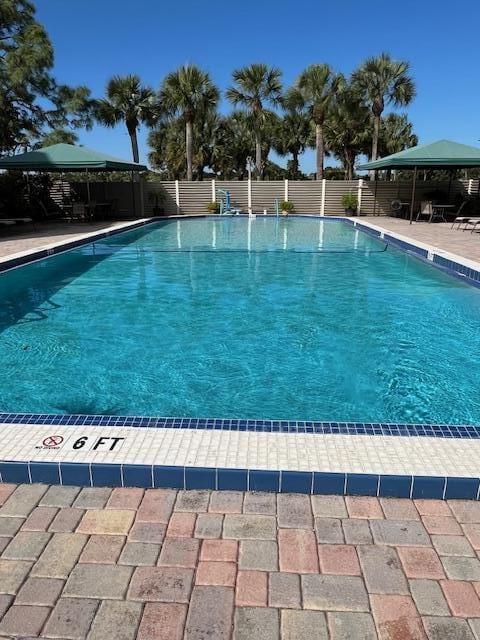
{"x": 78, "y": 211}
{"x": 426, "y": 210}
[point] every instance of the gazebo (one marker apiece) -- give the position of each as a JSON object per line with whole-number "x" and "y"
{"x": 69, "y": 158}
{"x": 443, "y": 154}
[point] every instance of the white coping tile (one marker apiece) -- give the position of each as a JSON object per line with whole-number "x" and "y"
{"x": 431, "y": 249}
{"x": 412, "y": 455}
{"x": 121, "y": 226}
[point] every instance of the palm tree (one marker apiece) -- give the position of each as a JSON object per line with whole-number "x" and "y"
{"x": 396, "y": 134}
{"x": 256, "y": 86}
{"x": 237, "y": 144}
{"x": 348, "y": 129}
{"x": 185, "y": 93}
{"x": 318, "y": 85}
{"x": 294, "y": 131}
{"x": 127, "y": 101}
{"x": 382, "y": 81}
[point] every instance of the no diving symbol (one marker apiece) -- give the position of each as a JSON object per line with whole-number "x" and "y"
{"x": 52, "y": 441}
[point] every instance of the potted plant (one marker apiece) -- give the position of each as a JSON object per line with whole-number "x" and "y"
{"x": 287, "y": 207}
{"x": 213, "y": 207}
{"x": 157, "y": 198}
{"x": 350, "y": 203}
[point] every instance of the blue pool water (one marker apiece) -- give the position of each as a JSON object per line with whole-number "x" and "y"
{"x": 298, "y": 319}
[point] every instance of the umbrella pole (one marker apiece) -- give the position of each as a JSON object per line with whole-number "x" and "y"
{"x": 133, "y": 195}
{"x": 413, "y": 194}
{"x": 375, "y": 177}
{"x": 88, "y": 192}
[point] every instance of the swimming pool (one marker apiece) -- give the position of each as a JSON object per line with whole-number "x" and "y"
{"x": 291, "y": 319}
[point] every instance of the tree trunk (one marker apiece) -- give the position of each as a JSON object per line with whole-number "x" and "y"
{"x": 320, "y": 150}
{"x": 134, "y": 142}
{"x": 349, "y": 164}
{"x": 258, "y": 156}
{"x": 376, "y": 133}
{"x": 189, "y": 149}
{"x": 295, "y": 164}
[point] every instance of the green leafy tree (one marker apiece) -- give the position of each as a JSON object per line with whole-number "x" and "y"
{"x": 396, "y": 134}
{"x": 185, "y": 93}
{"x": 255, "y": 87}
{"x": 348, "y": 129}
{"x": 57, "y": 136}
{"x": 382, "y": 81}
{"x": 167, "y": 149}
{"x": 168, "y": 145}
{"x": 295, "y": 130}
{"x": 30, "y": 98}
{"x": 237, "y": 144}
{"x": 318, "y": 85}
{"x": 127, "y": 100}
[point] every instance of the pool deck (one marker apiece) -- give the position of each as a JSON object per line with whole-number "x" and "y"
{"x": 165, "y": 565}
{"x": 439, "y": 235}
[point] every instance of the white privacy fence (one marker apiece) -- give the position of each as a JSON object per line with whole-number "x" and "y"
{"x": 322, "y": 197}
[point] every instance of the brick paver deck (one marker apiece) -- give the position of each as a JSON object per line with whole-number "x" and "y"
{"x": 199, "y": 565}
{"x": 438, "y": 234}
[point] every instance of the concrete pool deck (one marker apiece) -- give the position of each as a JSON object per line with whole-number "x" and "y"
{"x": 167, "y": 565}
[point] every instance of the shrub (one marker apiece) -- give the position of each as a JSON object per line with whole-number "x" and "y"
{"x": 287, "y": 206}
{"x": 349, "y": 201}
{"x": 213, "y": 207}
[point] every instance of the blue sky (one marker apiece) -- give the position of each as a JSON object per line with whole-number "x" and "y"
{"x": 95, "y": 39}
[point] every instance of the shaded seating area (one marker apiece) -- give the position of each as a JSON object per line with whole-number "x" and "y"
{"x": 65, "y": 158}
{"x": 443, "y": 154}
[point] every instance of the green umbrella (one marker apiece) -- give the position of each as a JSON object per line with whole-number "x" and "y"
{"x": 443, "y": 154}
{"x": 67, "y": 157}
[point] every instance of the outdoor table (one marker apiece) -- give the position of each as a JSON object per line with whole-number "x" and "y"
{"x": 441, "y": 209}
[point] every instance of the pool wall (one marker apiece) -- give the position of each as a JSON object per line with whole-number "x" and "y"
{"x": 440, "y": 461}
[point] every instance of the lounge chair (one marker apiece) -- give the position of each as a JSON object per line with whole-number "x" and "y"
{"x": 459, "y": 219}
{"x": 475, "y": 222}
{"x": 50, "y": 214}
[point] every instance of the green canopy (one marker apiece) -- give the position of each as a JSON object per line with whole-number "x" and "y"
{"x": 441, "y": 154}
{"x": 67, "y": 157}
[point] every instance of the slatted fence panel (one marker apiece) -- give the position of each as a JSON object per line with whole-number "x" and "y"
{"x": 194, "y": 196}
{"x": 306, "y": 195}
{"x": 265, "y": 193}
{"x": 334, "y": 191}
{"x": 166, "y": 193}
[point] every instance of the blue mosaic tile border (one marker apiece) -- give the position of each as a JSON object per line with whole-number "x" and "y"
{"x": 453, "y": 268}
{"x": 263, "y": 426}
{"x": 222, "y": 479}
